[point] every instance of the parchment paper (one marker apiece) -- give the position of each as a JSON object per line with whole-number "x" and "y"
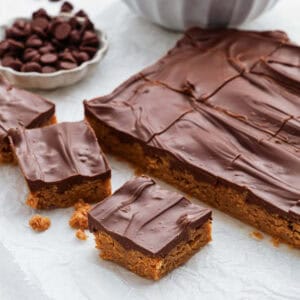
{"x": 55, "y": 265}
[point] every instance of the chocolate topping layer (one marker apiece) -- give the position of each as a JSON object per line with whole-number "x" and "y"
{"x": 204, "y": 60}
{"x": 143, "y": 216}
{"x": 21, "y": 108}
{"x": 60, "y": 154}
{"x": 224, "y": 103}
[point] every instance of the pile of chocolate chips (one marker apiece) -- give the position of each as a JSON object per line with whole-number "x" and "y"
{"x": 46, "y": 44}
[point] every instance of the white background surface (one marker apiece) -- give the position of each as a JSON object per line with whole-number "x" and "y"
{"x": 55, "y": 265}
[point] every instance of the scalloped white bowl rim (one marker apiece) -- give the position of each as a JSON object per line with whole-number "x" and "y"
{"x": 170, "y": 14}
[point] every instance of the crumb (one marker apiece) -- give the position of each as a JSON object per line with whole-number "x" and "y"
{"x": 79, "y": 219}
{"x": 81, "y": 205}
{"x": 39, "y": 223}
{"x": 257, "y": 235}
{"x": 276, "y": 242}
{"x": 81, "y": 235}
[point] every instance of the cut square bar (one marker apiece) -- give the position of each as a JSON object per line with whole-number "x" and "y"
{"x": 147, "y": 229}
{"x": 62, "y": 164}
{"x": 20, "y": 108}
{"x": 218, "y": 117}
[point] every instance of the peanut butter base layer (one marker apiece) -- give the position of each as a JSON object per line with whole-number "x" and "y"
{"x": 90, "y": 191}
{"x": 224, "y": 198}
{"x": 6, "y": 154}
{"x": 153, "y": 267}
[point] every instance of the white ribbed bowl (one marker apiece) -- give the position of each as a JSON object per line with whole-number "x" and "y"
{"x": 182, "y": 14}
{"x": 61, "y": 78}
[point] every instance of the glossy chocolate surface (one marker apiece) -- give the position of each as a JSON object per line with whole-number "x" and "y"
{"x": 143, "y": 216}
{"x": 60, "y": 154}
{"x": 224, "y": 103}
{"x": 21, "y": 108}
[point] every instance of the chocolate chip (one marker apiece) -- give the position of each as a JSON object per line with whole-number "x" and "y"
{"x": 75, "y": 36}
{"x": 90, "y": 50}
{"x": 91, "y": 42}
{"x": 26, "y": 30}
{"x": 66, "y": 65}
{"x": 47, "y": 49}
{"x": 88, "y": 24}
{"x": 81, "y": 13}
{"x": 81, "y": 56}
{"x": 67, "y": 56}
{"x": 8, "y": 33}
{"x": 4, "y": 46}
{"x": 49, "y": 58}
{"x": 40, "y": 22}
{"x": 62, "y": 31}
{"x": 39, "y": 32}
{"x": 66, "y": 7}
{"x": 52, "y": 25}
{"x": 58, "y": 19}
{"x": 34, "y": 42}
{"x": 57, "y": 44}
{"x": 31, "y": 67}
{"x": 48, "y": 69}
{"x": 75, "y": 24}
{"x": 15, "y": 32}
{"x": 89, "y": 35}
{"x": 40, "y": 13}
{"x": 30, "y": 50}
{"x": 19, "y": 24}
{"x": 15, "y": 45}
{"x": 36, "y": 58}
{"x": 11, "y": 62}
{"x": 16, "y": 65}
{"x": 6, "y": 60}
{"x": 29, "y": 54}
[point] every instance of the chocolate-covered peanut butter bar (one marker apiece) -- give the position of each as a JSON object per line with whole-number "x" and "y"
{"x": 147, "y": 229}
{"x": 62, "y": 164}
{"x": 19, "y": 108}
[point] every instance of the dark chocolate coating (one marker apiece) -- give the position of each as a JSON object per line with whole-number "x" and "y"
{"x": 143, "y": 216}
{"x": 226, "y": 105}
{"x": 60, "y": 155}
{"x": 21, "y": 108}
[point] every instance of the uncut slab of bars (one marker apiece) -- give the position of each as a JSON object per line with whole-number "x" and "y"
{"x": 218, "y": 117}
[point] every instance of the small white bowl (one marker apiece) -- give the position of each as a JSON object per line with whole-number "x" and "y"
{"x": 182, "y": 14}
{"x": 48, "y": 81}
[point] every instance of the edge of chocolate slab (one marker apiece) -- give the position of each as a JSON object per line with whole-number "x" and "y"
{"x": 21, "y": 108}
